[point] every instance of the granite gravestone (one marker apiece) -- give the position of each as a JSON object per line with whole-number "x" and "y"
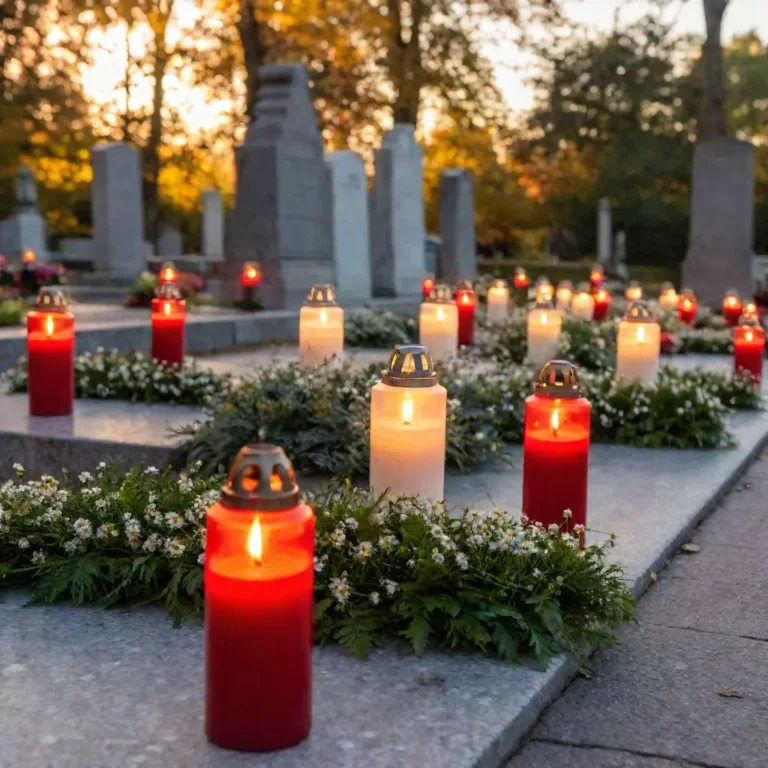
{"x": 397, "y": 216}
{"x": 619, "y": 265}
{"x": 458, "y": 255}
{"x": 282, "y": 211}
{"x": 170, "y": 243}
{"x": 116, "y": 206}
{"x": 349, "y": 226}
{"x": 26, "y": 229}
{"x": 604, "y": 231}
{"x": 720, "y": 241}
{"x": 212, "y": 224}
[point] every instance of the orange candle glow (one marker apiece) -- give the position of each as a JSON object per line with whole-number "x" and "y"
{"x": 749, "y": 348}
{"x": 596, "y": 275}
{"x": 251, "y": 275}
{"x": 168, "y": 317}
{"x": 731, "y": 307}
{"x": 168, "y": 272}
{"x": 427, "y": 284}
{"x": 687, "y": 306}
{"x": 29, "y": 256}
{"x": 602, "y": 304}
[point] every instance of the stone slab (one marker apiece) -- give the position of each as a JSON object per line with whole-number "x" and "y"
{"x": 540, "y": 754}
{"x": 729, "y": 564}
{"x": 662, "y": 678}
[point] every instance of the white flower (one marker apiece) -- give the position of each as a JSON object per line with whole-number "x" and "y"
{"x": 72, "y": 546}
{"x": 389, "y": 586}
{"x": 536, "y": 573}
{"x": 567, "y": 514}
{"x": 102, "y": 465}
{"x": 132, "y": 527}
{"x": 388, "y": 542}
{"x": 85, "y": 477}
{"x": 201, "y": 558}
{"x": 23, "y": 543}
{"x": 375, "y": 598}
{"x": 151, "y": 471}
{"x": 320, "y": 562}
{"x": 340, "y": 588}
{"x": 174, "y": 520}
{"x": 185, "y": 484}
{"x": 438, "y": 556}
{"x": 351, "y": 523}
{"x": 461, "y": 561}
{"x": 38, "y": 557}
{"x": 553, "y": 528}
{"x": 18, "y": 469}
{"x": 364, "y": 550}
{"x": 174, "y": 547}
{"x": 82, "y": 528}
{"x": 152, "y": 543}
{"x": 338, "y": 537}
{"x": 101, "y": 503}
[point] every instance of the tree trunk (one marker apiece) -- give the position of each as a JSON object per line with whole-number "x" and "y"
{"x": 249, "y": 30}
{"x": 712, "y": 121}
{"x": 404, "y": 60}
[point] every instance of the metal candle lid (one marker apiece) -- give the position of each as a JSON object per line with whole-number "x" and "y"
{"x": 261, "y": 478}
{"x": 441, "y": 294}
{"x": 687, "y": 293}
{"x": 168, "y": 266}
{"x": 558, "y": 378}
{"x": 410, "y": 365}
{"x": 750, "y": 321}
{"x": 168, "y": 290}
{"x": 499, "y": 284}
{"x": 544, "y": 305}
{"x": 51, "y": 300}
{"x": 597, "y": 268}
{"x": 565, "y": 284}
{"x": 321, "y": 296}
{"x": 639, "y": 312}
{"x": 543, "y": 280}
{"x": 666, "y": 287}
{"x": 465, "y": 285}
{"x": 585, "y": 288}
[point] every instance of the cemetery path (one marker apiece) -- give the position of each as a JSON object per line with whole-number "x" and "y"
{"x": 689, "y": 684}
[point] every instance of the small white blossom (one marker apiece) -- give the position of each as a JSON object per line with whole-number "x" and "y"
{"x": 390, "y": 587}
{"x": 23, "y": 543}
{"x": 82, "y": 528}
{"x": 340, "y": 588}
{"x": 364, "y": 550}
{"x": 151, "y": 471}
{"x": 201, "y": 558}
{"x": 174, "y": 520}
{"x": 174, "y": 547}
{"x": 461, "y": 561}
{"x": 85, "y": 477}
{"x": 38, "y": 557}
{"x": 351, "y": 523}
{"x": 375, "y": 598}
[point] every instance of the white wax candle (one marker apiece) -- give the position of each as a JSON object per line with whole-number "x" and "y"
{"x": 668, "y": 300}
{"x": 634, "y": 293}
{"x": 408, "y": 427}
{"x": 543, "y": 292}
{"x": 498, "y": 303}
{"x": 583, "y": 306}
{"x": 637, "y": 352}
{"x": 564, "y": 298}
{"x": 321, "y": 334}
{"x": 439, "y": 329}
{"x": 544, "y": 327}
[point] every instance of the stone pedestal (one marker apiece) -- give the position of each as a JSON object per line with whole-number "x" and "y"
{"x": 458, "y": 255}
{"x": 397, "y": 216}
{"x": 212, "y": 224}
{"x": 281, "y": 216}
{"x": 604, "y": 232}
{"x": 721, "y": 239}
{"x": 22, "y": 231}
{"x": 116, "y": 205}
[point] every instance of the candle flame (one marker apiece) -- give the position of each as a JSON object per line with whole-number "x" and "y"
{"x": 169, "y": 275}
{"x": 49, "y": 326}
{"x": 687, "y": 304}
{"x": 251, "y": 273}
{"x": 275, "y": 483}
{"x": 641, "y": 333}
{"x": 407, "y": 409}
{"x": 749, "y": 335}
{"x": 323, "y": 316}
{"x": 166, "y": 308}
{"x": 555, "y": 421}
{"x": 440, "y": 313}
{"x": 465, "y": 299}
{"x": 543, "y": 318}
{"x": 254, "y": 542}
{"x": 596, "y": 276}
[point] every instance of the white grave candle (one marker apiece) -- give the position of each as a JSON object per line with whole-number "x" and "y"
{"x": 638, "y": 345}
{"x": 439, "y": 324}
{"x": 564, "y": 295}
{"x": 583, "y": 304}
{"x": 544, "y": 325}
{"x": 321, "y": 327}
{"x": 498, "y": 301}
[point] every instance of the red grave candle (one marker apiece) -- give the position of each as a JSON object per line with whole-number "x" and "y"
{"x": 51, "y": 355}
{"x": 687, "y": 307}
{"x": 602, "y": 304}
{"x": 258, "y": 607}
{"x": 427, "y": 284}
{"x": 748, "y": 349}
{"x": 556, "y": 448}
{"x": 521, "y": 280}
{"x": 168, "y": 316}
{"x": 466, "y": 303}
{"x": 596, "y": 276}
{"x": 168, "y": 272}
{"x": 251, "y": 275}
{"x": 731, "y": 308}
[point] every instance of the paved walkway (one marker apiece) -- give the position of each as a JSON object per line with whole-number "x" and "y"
{"x": 689, "y": 684}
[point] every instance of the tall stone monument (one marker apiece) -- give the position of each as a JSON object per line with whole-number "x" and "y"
{"x": 349, "y": 226}
{"x": 282, "y": 212}
{"x": 26, "y": 228}
{"x": 721, "y": 236}
{"x": 116, "y": 207}
{"x": 397, "y": 216}
{"x": 458, "y": 253}
{"x": 212, "y": 224}
{"x": 604, "y": 231}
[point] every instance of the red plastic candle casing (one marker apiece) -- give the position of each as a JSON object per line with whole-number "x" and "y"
{"x": 168, "y": 317}
{"x": 731, "y": 310}
{"x": 51, "y": 362}
{"x": 251, "y": 275}
{"x": 556, "y": 458}
{"x": 258, "y": 613}
{"x": 748, "y": 351}
{"x": 602, "y": 304}
{"x": 521, "y": 280}
{"x": 466, "y": 303}
{"x": 686, "y": 309}
{"x": 596, "y": 276}
{"x": 426, "y": 287}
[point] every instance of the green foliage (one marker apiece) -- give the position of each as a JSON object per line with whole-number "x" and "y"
{"x": 384, "y": 569}
{"x": 12, "y": 311}
{"x": 132, "y": 376}
{"x": 382, "y": 330}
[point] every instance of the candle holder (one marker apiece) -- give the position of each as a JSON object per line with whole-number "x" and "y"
{"x": 668, "y": 296}
{"x": 543, "y": 333}
{"x": 634, "y": 291}
{"x": 427, "y": 284}
{"x": 408, "y": 427}
{"x": 749, "y": 348}
{"x": 596, "y": 275}
{"x": 168, "y": 272}
{"x": 321, "y": 327}
{"x": 687, "y": 306}
{"x": 602, "y": 304}
{"x": 29, "y": 256}
{"x": 564, "y": 295}
{"x": 258, "y": 606}
{"x": 583, "y": 304}
{"x": 638, "y": 345}
{"x": 498, "y": 301}
{"x": 556, "y": 448}
{"x": 168, "y": 315}
{"x": 750, "y": 309}
{"x": 250, "y": 279}
{"x": 439, "y": 323}
{"x": 543, "y": 290}
{"x": 521, "y": 281}
{"x": 731, "y": 307}
{"x": 51, "y": 355}
{"x": 466, "y": 302}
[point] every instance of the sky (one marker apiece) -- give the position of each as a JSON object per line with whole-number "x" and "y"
{"x": 740, "y": 17}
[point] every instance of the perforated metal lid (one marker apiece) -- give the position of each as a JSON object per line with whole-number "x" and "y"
{"x": 410, "y": 365}
{"x": 261, "y": 478}
{"x": 558, "y": 378}
{"x": 321, "y": 296}
{"x": 168, "y": 290}
{"x": 51, "y": 300}
{"x": 639, "y": 312}
{"x": 441, "y": 294}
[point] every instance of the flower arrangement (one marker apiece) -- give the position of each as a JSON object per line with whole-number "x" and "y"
{"x": 133, "y": 376}
{"x": 381, "y": 330}
{"x": 145, "y": 284}
{"x": 384, "y": 570}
